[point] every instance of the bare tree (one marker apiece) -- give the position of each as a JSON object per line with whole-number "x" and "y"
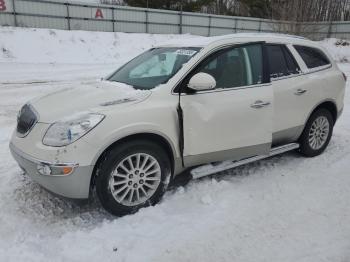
{"x": 288, "y": 10}
{"x": 302, "y": 15}
{"x": 308, "y": 10}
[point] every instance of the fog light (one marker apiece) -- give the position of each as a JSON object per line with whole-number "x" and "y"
{"x": 52, "y": 170}
{"x": 44, "y": 169}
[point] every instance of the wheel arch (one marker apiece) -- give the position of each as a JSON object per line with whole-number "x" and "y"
{"x": 330, "y": 105}
{"x": 304, "y": 141}
{"x": 154, "y": 137}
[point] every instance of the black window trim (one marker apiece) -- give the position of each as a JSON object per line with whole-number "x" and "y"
{"x": 223, "y": 48}
{"x": 285, "y": 49}
{"x": 314, "y": 69}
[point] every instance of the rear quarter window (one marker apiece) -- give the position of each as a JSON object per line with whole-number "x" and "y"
{"x": 313, "y": 57}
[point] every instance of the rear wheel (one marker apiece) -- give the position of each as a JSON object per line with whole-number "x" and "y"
{"x": 317, "y": 133}
{"x": 131, "y": 176}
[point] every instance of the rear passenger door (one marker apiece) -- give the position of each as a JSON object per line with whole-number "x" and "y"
{"x": 291, "y": 94}
{"x": 318, "y": 77}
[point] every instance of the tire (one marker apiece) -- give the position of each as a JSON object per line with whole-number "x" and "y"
{"x": 145, "y": 185}
{"x": 313, "y": 142}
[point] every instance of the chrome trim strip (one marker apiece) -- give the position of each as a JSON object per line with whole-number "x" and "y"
{"x": 225, "y": 89}
{"x": 234, "y": 154}
{"x": 311, "y": 71}
{"x": 315, "y": 70}
{"x": 286, "y": 77}
{"x": 319, "y": 68}
{"x": 210, "y": 169}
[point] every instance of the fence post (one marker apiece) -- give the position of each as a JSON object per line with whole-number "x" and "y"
{"x": 14, "y": 12}
{"x": 329, "y": 29}
{"x": 180, "y": 25}
{"x": 147, "y": 29}
{"x": 260, "y": 25}
{"x": 236, "y": 25}
{"x": 68, "y": 17}
{"x": 113, "y": 20}
{"x": 209, "y": 26}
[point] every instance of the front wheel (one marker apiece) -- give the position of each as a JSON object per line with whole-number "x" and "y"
{"x": 131, "y": 176}
{"x": 317, "y": 133}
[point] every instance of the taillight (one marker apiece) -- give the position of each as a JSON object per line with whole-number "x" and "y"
{"x": 345, "y": 77}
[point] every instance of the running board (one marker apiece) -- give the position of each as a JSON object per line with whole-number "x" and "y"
{"x": 210, "y": 169}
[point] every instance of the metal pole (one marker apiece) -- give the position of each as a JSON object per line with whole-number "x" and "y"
{"x": 180, "y": 26}
{"x": 329, "y": 30}
{"x": 113, "y": 21}
{"x": 14, "y": 12}
{"x": 334, "y": 34}
{"x": 68, "y": 18}
{"x": 146, "y": 11}
{"x": 209, "y": 26}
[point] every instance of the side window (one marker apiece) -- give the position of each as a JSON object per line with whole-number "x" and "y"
{"x": 282, "y": 63}
{"x": 312, "y": 57}
{"x": 234, "y": 67}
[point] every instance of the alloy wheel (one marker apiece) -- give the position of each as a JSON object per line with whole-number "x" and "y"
{"x": 135, "y": 179}
{"x": 319, "y": 132}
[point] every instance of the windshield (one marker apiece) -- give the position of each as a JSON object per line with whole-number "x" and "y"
{"x": 154, "y": 67}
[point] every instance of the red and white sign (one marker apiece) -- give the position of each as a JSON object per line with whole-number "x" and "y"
{"x": 2, "y": 5}
{"x": 99, "y": 14}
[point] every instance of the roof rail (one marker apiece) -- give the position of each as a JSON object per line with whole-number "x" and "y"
{"x": 280, "y": 34}
{"x": 293, "y": 36}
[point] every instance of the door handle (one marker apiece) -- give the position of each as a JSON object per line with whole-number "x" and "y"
{"x": 259, "y": 104}
{"x": 300, "y": 92}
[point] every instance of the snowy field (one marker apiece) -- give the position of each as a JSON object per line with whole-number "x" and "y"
{"x": 284, "y": 209}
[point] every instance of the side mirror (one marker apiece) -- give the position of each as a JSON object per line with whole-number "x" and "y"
{"x": 202, "y": 82}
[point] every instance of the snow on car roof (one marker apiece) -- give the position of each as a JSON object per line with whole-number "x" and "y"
{"x": 202, "y": 41}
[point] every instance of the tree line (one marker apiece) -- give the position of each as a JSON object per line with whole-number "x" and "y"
{"x": 290, "y": 10}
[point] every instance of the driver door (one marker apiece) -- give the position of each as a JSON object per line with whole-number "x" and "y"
{"x": 234, "y": 120}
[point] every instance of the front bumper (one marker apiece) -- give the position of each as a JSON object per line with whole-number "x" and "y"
{"x": 75, "y": 185}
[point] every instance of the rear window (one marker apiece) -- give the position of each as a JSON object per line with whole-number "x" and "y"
{"x": 312, "y": 57}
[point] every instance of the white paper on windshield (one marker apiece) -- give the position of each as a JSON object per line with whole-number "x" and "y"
{"x": 186, "y": 52}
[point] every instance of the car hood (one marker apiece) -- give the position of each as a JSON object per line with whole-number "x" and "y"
{"x": 94, "y": 96}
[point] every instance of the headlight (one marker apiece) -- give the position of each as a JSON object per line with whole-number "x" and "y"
{"x": 69, "y": 130}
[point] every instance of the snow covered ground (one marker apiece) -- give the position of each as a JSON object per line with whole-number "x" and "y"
{"x": 286, "y": 208}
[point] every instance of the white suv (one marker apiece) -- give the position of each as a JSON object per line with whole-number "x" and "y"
{"x": 218, "y": 102}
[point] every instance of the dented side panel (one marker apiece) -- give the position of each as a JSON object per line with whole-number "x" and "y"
{"x": 223, "y": 120}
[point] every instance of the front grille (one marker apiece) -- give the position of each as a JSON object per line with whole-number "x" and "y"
{"x": 26, "y": 119}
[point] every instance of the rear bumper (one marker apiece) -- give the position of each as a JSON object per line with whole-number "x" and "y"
{"x": 75, "y": 185}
